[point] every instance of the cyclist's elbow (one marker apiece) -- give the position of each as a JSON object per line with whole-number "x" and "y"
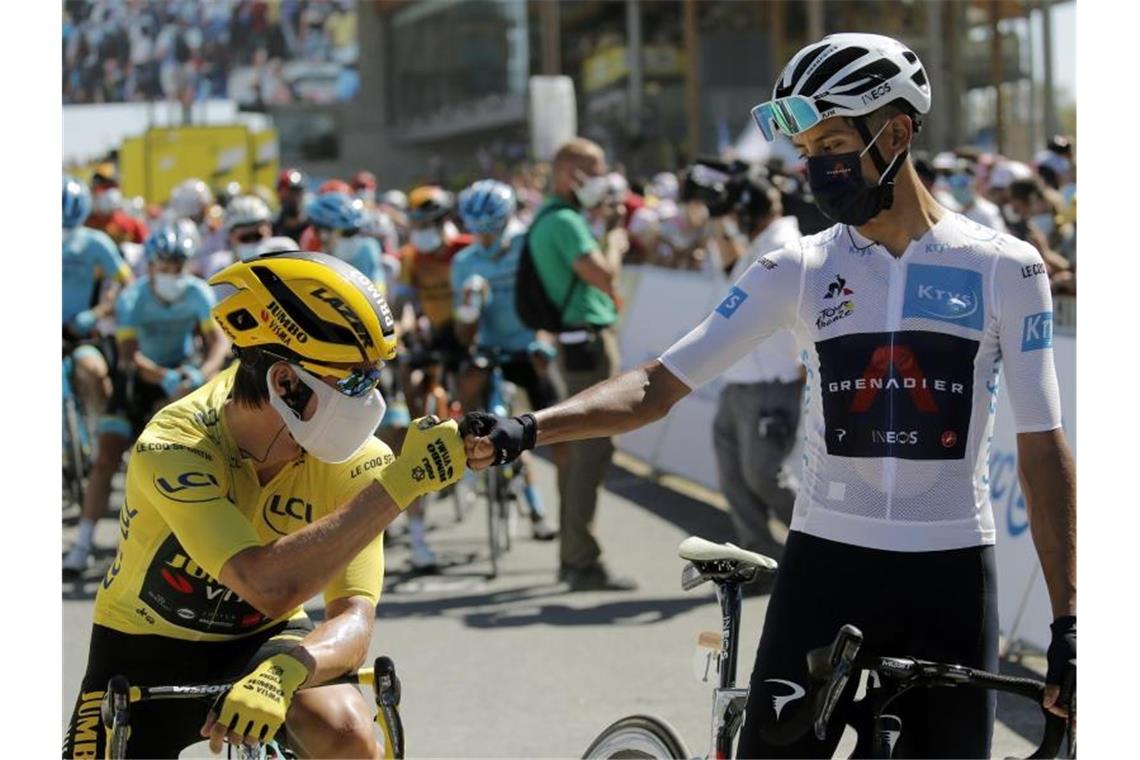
{"x": 270, "y": 592}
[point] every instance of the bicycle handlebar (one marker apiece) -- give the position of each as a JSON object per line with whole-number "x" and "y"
{"x": 831, "y": 667}
{"x": 361, "y": 677}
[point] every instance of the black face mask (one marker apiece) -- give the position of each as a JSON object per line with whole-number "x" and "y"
{"x": 840, "y": 190}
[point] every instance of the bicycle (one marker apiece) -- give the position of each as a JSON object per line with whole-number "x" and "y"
{"x": 830, "y": 668}
{"x": 76, "y": 441}
{"x": 504, "y": 485}
{"x": 381, "y": 678}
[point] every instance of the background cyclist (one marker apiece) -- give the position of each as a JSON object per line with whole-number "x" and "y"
{"x": 93, "y": 273}
{"x": 158, "y": 318}
{"x": 483, "y": 290}
{"x": 338, "y": 221}
{"x": 247, "y": 224}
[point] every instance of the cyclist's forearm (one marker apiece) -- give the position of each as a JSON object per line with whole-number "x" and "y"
{"x": 145, "y": 368}
{"x": 277, "y": 577}
{"x": 623, "y": 403}
{"x": 1048, "y": 479}
{"x": 217, "y": 347}
{"x": 340, "y": 643}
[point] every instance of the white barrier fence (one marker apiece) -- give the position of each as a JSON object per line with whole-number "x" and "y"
{"x": 662, "y": 305}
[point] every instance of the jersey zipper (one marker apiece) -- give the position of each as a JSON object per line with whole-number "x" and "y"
{"x": 895, "y": 291}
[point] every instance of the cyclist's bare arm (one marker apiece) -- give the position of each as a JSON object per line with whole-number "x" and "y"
{"x": 1049, "y": 480}
{"x": 217, "y": 348}
{"x": 275, "y": 578}
{"x": 340, "y": 643}
{"x": 631, "y": 400}
{"x": 146, "y": 369}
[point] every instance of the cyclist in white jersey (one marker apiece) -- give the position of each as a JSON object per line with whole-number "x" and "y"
{"x": 906, "y": 314}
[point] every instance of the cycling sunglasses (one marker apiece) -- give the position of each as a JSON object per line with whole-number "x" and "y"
{"x": 351, "y": 381}
{"x": 253, "y": 236}
{"x": 791, "y": 115}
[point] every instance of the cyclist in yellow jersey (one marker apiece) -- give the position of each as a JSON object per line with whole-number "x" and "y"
{"x": 246, "y": 498}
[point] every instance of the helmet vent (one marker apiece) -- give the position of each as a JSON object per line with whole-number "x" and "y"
{"x": 919, "y": 78}
{"x": 829, "y": 68}
{"x": 241, "y": 320}
{"x": 910, "y": 57}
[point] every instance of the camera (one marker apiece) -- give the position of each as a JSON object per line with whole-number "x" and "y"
{"x": 715, "y": 183}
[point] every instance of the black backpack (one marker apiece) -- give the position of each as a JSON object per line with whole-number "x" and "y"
{"x": 535, "y": 308}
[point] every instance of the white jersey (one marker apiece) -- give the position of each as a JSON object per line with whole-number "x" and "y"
{"x": 902, "y": 358}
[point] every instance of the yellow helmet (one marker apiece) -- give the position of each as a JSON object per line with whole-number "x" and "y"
{"x": 428, "y": 203}
{"x": 308, "y": 308}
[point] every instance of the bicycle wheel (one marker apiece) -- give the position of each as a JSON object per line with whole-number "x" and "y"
{"x": 75, "y": 459}
{"x": 638, "y": 736}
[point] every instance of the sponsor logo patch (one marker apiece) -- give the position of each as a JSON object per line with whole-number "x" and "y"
{"x": 906, "y": 395}
{"x": 731, "y": 302}
{"x": 945, "y": 294}
{"x": 1037, "y": 332}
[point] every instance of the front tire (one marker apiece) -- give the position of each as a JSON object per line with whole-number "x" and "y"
{"x": 638, "y": 736}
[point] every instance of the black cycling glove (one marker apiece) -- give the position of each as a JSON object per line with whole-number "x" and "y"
{"x": 510, "y": 436}
{"x": 1062, "y": 649}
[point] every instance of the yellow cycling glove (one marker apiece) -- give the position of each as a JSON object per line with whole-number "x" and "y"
{"x": 256, "y": 704}
{"x": 432, "y": 457}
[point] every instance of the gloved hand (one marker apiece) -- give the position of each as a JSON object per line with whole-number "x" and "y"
{"x": 509, "y": 437}
{"x": 171, "y": 382}
{"x": 255, "y": 706}
{"x": 1062, "y": 649}
{"x": 85, "y": 322}
{"x": 432, "y": 457}
{"x": 194, "y": 376}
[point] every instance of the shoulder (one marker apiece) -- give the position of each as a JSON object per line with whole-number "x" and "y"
{"x": 992, "y": 244}
{"x": 200, "y": 290}
{"x": 465, "y": 257}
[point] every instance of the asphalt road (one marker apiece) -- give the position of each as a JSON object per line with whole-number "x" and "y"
{"x": 519, "y": 667}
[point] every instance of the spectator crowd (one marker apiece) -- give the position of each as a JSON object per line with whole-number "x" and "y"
{"x": 253, "y": 51}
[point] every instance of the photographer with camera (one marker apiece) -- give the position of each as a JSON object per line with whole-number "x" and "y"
{"x": 759, "y": 406}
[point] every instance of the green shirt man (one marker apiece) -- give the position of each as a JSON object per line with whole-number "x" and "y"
{"x": 556, "y": 241}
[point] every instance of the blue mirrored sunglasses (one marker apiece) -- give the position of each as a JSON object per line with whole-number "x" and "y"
{"x": 791, "y": 115}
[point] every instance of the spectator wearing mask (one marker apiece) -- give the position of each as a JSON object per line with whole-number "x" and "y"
{"x": 1001, "y": 176}
{"x": 758, "y": 410}
{"x": 1040, "y": 222}
{"x": 107, "y": 214}
{"x": 580, "y": 274}
{"x": 291, "y": 220}
{"x": 956, "y": 177}
{"x": 928, "y": 175}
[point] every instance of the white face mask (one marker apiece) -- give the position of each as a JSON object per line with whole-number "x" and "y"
{"x": 170, "y": 287}
{"x": 592, "y": 191}
{"x": 106, "y": 201}
{"x": 339, "y": 426}
{"x": 247, "y": 251}
{"x": 426, "y": 240}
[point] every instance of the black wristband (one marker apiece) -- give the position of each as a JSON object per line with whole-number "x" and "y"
{"x": 530, "y": 430}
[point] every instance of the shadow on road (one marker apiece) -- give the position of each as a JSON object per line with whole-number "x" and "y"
{"x": 694, "y": 517}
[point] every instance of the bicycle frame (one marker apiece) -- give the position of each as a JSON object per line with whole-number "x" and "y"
{"x": 728, "y": 700}
{"x": 381, "y": 678}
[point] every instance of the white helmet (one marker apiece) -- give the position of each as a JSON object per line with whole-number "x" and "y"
{"x": 190, "y": 198}
{"x": 395, "y": 199}
{"x": 278, "y": 244}
{"x": 849, "y": 74}
{"x": 1004, "y": 174}
{"x": 246, "y": 210}
{"x": 665, "y": 186}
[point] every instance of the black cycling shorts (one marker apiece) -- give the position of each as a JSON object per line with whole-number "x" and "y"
{"x": 164, "y": 728}
{"x": 133, "y": 402}
{"x": 939, "y": 606}
{"x": 540, "y": 389}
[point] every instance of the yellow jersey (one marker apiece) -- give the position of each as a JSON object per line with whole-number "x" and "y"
{"x": 192, "y": 502}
